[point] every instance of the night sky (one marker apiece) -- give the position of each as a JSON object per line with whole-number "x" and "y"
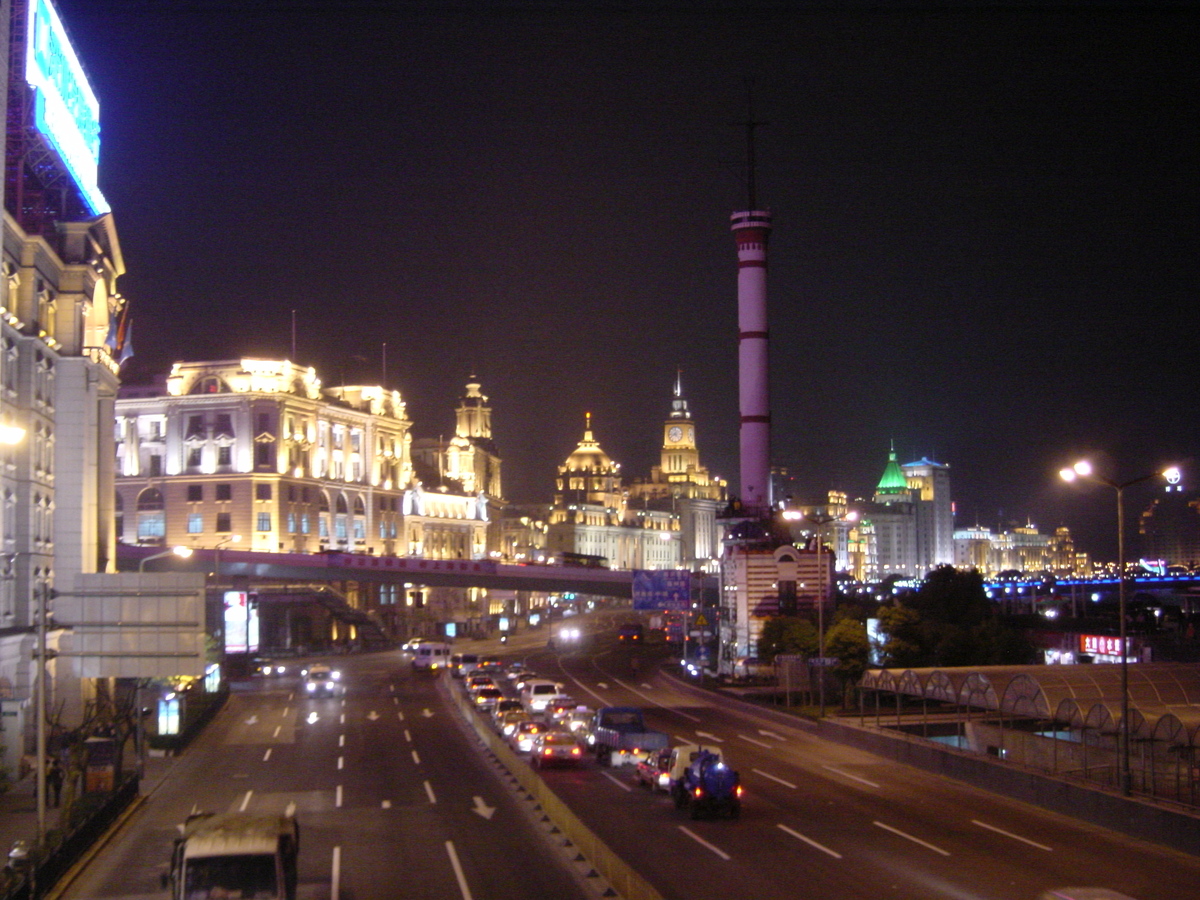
{"x": 985, "y": 244}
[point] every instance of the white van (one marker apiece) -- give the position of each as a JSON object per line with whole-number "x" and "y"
{"x": 538, "y": 692}
{"x": 430, "y": 656}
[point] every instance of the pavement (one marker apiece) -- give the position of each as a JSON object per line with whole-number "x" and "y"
{"x": 19, "y": 820}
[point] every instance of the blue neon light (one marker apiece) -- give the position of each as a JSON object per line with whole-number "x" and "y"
{"x": 65, "y": 109}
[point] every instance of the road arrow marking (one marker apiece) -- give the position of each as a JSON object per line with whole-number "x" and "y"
{"x": 253, "y": 720}
{"x": 711, "y": 737}
{"x": 372, "y": 715}
{"x": 772, "y": 735}
{"x": 427, "y": 714}
{"x": 483, "y": 809}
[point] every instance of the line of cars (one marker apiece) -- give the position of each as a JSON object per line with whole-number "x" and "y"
{"x": 533, "y": 714}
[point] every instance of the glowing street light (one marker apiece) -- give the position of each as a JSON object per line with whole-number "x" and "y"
{"x": 1082, "y": 471}
{"x": 181, "y": 552}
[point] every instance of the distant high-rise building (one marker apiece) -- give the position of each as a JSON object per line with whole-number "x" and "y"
{"x": 1170, "y": 528}
{"x": 933, "y": 511}
{"x": 913, "y": 518}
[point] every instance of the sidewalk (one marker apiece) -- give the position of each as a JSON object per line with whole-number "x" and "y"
{"x": 18, "y": 805}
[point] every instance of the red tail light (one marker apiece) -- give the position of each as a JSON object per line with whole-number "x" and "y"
{"x": 547, "y": 752}
{"x": 739, "y": 790}
{"x": 699, "y": 792}
{"x": 575, "y": 751}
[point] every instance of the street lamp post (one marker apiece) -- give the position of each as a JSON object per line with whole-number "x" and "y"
{"x": 232, "y": 539}
{"x": 820, "y": 522}
{"x": 1083, "y": 470}
{"x": 181, "y": 552}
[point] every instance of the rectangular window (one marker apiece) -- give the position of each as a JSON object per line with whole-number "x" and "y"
{"x": 304, "y": 523}
{"x": 224, "y": 426}
{"x": 224, "y": 526}
{"x": 360, "y": 529}
{"x": 339, "y": 528}
{"x": 195, "y": 493}
{"x": 264, "y": 521}
{"x": 193, "y": 457}
{"x": 224, "y": 492}
{"x": 262, "y": 492}
{"x": 195, "y": 427}
{"x": 225, "y": 456}
{"x": 323, "y": 526}
{"x": 292, "y": 523}
{"x": 155, "y": 466}
{"x": 264, "y": 423}
{"x": 263, "y": 454}
{"x": 195, "y": 523}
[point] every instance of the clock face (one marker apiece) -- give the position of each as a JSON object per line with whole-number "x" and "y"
{"x": 675, "y": 433}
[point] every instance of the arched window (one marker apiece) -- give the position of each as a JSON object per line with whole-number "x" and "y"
{"x": 151, "y": 517}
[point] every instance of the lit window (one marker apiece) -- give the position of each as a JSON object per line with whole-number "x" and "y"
{"x": 264, "y": 521}
{"x": 195, "y": 523}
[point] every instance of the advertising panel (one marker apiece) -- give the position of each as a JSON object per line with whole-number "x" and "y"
{"x": 241, "y": 623}
{"x": 66, "y": 111}
{"x": 669, "y": 590}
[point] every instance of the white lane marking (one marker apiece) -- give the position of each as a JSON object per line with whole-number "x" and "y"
{"x": 337, "y": 801}
{"x": 416, "y": 758}
{"x": 603, "y": 685}
{"x": 286, "y": 710}
{"x": 703, "y": 843}
{"x": 386, "y": 804}
{"x": 648, "y": 687}
{"x": 335, "y": 875}
{"x": 845, "y": 774}
{"x": 617, "y": 781}
{"x": 267, "y": 755}
{"x": 458, "y": 871}
{"x": 798, "y": 836}
{"x": 711, "y": 737}
{"x": 774, "y": 778}
{"x": 246, "y": 801}
{"x": 772, "y": 735}
{"x": 1009, "y": 834}
{"x": 429, "y": 792}
{"x": 407, "y": 736}
{"x": 909, "y": 837}
{"x": 276, "y": 734}
{"x": 342, "y": 719}
{"x": 341, "y": 762}
{"x": 757, "y": 743}
{"x": 400, "y": 716}
{"x": 341, "y": 740}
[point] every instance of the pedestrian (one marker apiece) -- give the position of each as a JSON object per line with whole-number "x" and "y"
{"x": 54, "y": 780}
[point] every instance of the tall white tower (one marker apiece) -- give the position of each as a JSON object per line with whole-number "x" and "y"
{"x": 751, "y": 230}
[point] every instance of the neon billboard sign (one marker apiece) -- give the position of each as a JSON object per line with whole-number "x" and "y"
{"x": 66, "y": 111}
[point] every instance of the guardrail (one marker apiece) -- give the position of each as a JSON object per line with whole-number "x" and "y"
{"x": 619, "y": 875}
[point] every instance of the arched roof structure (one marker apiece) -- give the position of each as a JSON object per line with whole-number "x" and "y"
{"x": 1163, "y": 699}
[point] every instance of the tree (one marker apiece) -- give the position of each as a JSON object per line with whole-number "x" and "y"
{"x": 903, "y": 646}
{"x": 787, "y": 635}
{"x": 847, "y": 641}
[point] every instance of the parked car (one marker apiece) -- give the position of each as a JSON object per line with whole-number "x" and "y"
{"x": 555, "y": 747}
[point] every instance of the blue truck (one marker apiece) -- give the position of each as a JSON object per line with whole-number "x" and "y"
{"x": 619, "y": 735}
{"x": 709, "y": 787}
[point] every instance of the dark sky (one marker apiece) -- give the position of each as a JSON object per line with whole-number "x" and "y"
{"x": 985, "y": 244}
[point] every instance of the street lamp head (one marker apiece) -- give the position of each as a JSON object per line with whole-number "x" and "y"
{"x": 1172, "y": 474}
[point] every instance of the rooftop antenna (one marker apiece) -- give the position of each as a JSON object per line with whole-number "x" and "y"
{"x": 293, "y": 335}
{"x": 751, "y": 159}
{"x": 383, "y": 373}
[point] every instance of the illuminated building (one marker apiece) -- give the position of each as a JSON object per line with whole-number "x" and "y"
{"x": 592, "y": 516}
{"x": 682, "y": 485}
{"x": 1169, "y": 528}
{"x": 64, "y": 329}
{"x": 261, "y": 449}
{"x": 1023, "y": 550}
{"x": 912, "y": 517}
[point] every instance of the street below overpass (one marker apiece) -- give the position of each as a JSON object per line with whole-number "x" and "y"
{"x": 388, "y": 783}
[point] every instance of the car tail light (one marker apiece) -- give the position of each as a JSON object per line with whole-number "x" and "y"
{"x": 575, "y": 751}
{"x": 739, "y": 790}
{"x": 699, "y": 792}
{"x": 547, "y": 751}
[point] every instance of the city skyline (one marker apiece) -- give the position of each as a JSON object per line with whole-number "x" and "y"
{"x": 983, "y": 220}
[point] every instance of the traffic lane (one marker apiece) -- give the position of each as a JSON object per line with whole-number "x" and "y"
{"x": 971, "y": 823}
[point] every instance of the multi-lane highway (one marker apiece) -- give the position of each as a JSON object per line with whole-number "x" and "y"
{"x": 394, "y": 798}
{"x": 397, "y": 800}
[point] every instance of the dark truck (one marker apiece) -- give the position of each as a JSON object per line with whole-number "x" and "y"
{"x": 619, "y": 735}
{"x": 708, "y": 788}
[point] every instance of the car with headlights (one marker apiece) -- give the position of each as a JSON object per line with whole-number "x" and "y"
{"x": 507, "y": 705}
{"x": 487, "y": 698}
{"x": 558, "y": 709}
{"x": 522, "y": 737}
{"x": 555, "y": 747}
{"x": 510, "y": 721}
{"x": 320, "y": 681}
{"x": 653, "y": 770}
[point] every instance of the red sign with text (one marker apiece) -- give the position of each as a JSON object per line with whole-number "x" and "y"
{"x": 1100, "y": 645}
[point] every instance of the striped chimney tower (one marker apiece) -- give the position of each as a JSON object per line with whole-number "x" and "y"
{"x": 751, "y": 230}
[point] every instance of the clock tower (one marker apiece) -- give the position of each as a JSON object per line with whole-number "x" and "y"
{"x": 679, "y": 454}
